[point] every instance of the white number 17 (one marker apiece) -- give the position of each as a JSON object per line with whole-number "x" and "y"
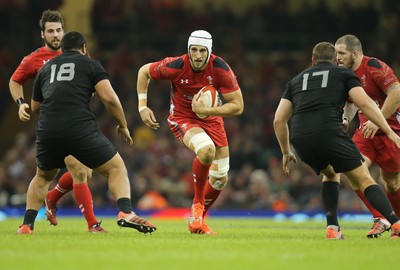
{"x": 324, "y": 75}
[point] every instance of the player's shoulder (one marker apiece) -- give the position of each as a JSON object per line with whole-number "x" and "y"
{"x": 374, "y": 63}
{"x": 176, "y": 62}
{"x": 219, "y": 62}
{"x": 32, "y": 55}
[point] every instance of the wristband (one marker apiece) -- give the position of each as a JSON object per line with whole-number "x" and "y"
{"x": 142, "y": 96}
{"x": 141, "y": 108}
{"x": 20, "y": 101}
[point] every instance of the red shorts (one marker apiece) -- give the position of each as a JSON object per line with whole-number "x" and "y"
{"x": 379, "y": 150}
{"x": 214, "y": 128}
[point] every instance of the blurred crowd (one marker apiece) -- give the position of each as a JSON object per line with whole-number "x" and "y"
{"x": 265, "y": 44}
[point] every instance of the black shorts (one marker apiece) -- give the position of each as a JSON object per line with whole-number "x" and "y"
{"x": 328, "y": 148}
{"x": 92, "y": 150}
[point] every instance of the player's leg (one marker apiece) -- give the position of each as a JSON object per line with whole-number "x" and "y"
{"x": 367, "y": 148}
{"x": 36, "y": 194}
{"x": 330, "y": 200}
{"x": 199, "y": 142}
{"x": 361, "y": 179}
{"x": 83, "y": 197}
{"x": 64, "y": 185}
{"x": 390, "y": 170}
{"x": 392, "y": 186}
{"x": 119, "y": 186}
{"x": 217, "y": 180}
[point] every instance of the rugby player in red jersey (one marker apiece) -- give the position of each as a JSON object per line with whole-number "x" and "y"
{"x": 52, "y": 30}
{"x": 382, "y": 85}
{"x": 206, "y": 137}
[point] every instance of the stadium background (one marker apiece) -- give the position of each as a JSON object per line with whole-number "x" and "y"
{"x": 265, "y": 42}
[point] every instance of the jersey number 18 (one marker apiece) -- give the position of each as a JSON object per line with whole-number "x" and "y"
{"x": 66, "y": 72}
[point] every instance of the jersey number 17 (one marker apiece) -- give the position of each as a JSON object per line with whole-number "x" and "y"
{"x": 324, "y": 81}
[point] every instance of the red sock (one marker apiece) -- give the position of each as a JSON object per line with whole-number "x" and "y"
{"x": 83, "y": 198}
{"x": 63, "y": 186}
{"x": 200, "y": 175}
{"x": 211, "y": 194}
{"x": 394, "y": 198}
{"x": 374, "y": 212}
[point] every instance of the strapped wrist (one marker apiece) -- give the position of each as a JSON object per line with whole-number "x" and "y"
{"x": 141, "y": 108}
{"x": 20, "y": 101}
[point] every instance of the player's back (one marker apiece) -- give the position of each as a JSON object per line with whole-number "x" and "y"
{"x": 318, "y": 95}
{"x": 65, "y": 86}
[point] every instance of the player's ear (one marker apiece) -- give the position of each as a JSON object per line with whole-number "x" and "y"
{"x": 355, "y": 54}
{"x": 42, "y": 34}
{"x": 85, "y": 51}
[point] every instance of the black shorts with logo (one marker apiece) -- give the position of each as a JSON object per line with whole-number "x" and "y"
{"x": 328, "y": 148}
{"x": 92, "y": 150}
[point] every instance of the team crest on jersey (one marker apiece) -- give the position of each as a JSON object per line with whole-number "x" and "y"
{"x": 363, "y": 81}
{"x": 210, "y": 79}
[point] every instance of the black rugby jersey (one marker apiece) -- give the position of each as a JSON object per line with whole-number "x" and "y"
{"x": 318, "y": 95}
{"x": 65, "y": 86}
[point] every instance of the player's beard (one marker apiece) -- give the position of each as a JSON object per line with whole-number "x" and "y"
{"x": 54, "y": 44}
{"x": 349, "y": 64}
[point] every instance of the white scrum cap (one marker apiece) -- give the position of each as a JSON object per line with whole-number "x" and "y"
{"x": 201, "y": 38}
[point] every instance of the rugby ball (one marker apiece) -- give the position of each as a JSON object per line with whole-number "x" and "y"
{"x": 209, "y": 96}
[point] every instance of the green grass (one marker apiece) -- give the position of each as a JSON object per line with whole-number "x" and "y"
{"x": 242, "y": 243}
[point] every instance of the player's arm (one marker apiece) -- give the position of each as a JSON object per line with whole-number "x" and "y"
{"x": 17, "y": 93}
{"x": 232, "y": 107}
{"x": 392, "y": 101}
{"x": 389, "y": 107}
{"x": 113, "y": 105}
{"x": 371, "y": 110}
{"x": 35, "y": 106}
{"x": 142, "y": 85}
{"x": 282, "y": 116}
{"x": 350, "y": 110}
{"x": 16, "y": 90}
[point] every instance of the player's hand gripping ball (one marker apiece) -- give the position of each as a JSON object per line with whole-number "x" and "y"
{"x": 209, "y": 96}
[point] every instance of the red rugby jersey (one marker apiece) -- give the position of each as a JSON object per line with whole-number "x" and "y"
{"x": 185, "y": 83}
{"x": 376, "y": 77}
{"x": 30, "y": 64}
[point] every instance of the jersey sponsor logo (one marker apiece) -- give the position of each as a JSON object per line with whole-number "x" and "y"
{"x": 45, "y": 61}
{"x": 184, "y": 81}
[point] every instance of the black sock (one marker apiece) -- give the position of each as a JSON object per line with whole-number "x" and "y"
{"x": 29, "y": 218}
{"x": 377, "y": 198}
{"x": 124, "y": 205}
{"x": 330, "y": 200}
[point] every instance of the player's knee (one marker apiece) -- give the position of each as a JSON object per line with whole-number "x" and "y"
{"x": 392, "y": 184}
{"x": 219, "y": 170}
{"x": 219, "y": 184}
{"x": 89, "y": 173}
{"x": 206, "y": 154}
{"x": 203, "y": 146}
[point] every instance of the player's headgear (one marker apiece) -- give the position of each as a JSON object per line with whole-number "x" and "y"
{"x": 201, "y": 38}
{"x": 72, "y": 40}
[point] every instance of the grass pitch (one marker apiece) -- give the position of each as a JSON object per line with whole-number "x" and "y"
{"x": 242, "y": 243}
